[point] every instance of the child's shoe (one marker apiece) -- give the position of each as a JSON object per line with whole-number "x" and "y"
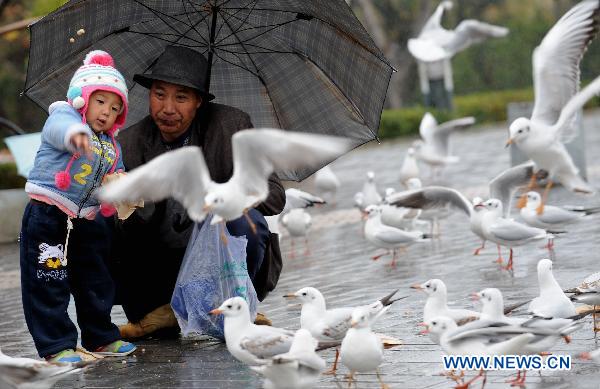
{"x": 117, "y": 348}
{"x": 65, "y": 356}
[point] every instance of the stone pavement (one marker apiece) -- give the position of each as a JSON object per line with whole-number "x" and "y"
{"x": 340, "y": 266}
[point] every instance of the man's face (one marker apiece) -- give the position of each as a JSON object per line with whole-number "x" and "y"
{"x": 173, "y": 107}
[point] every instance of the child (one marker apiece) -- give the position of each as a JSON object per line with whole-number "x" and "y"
{"x": 78, "y": 149}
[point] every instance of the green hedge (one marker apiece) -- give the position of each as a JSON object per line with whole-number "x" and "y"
{"x": 9, "y": 178}
{"x": 488, "y": 107}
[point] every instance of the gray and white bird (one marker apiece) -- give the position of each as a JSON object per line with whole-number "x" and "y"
{"x": 297, "y": 221}
{"x": 409, "y": 168}
{"x": 552, "y": 301}
{"x": 436, "y": 43}
{"x": 369, "y": 194}
{"x": 250, "y": 343}
{"x": 551, "y": 218}
{"x": 556, "y": 73}
{"x": 27, "y": 373}
{"x": 327, "y": 183}
{"x": 330, "y": 325}
{"x": 257, "y": 153}
{"x": 387, "y": 237}
{"x": 588, "y": 292}
{"x": 434, "y": 148}
{"x": 361, "y": 350}
{"x": 299, "y": 368}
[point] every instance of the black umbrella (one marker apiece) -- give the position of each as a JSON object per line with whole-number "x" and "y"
{"x": 300, "y": 65}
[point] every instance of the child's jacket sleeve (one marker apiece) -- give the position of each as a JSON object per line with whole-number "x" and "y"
{"x": 63, "y": 122}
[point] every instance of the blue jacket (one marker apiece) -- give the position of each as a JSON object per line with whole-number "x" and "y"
{"x": 55, "y": 152}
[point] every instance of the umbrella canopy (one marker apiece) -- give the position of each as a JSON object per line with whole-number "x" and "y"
{"x": 306, "y": 65}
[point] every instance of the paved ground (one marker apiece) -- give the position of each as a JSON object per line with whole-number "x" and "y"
{"x": 340, "y": 267}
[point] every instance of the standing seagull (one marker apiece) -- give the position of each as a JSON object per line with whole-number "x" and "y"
{"x": 410, "y": 168}
{"x": 327, "y": 183}
{"x": 552, "y": 301}
{"x": 294, "y": 218}
{"x": 299, "y": 368}
{"x": 369, "y": 194}
{"x": 434, "y": 148}
{"x": 362, "y": 350}
{"x": 589, "y": 293}
{"x": 553, "y": 217}
{"x": 257, "y": 153}
{"x": 435, "y": 43}
{"x": 556, "y": 82}
{"x": 27, "y": 373}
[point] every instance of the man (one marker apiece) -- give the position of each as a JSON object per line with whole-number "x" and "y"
{"x": 151, "y": 244}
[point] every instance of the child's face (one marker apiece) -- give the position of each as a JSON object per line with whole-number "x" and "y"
{"x": 103, "y": 109}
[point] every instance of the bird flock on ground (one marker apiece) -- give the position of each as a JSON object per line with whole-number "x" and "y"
{"x": 395, "y": 220}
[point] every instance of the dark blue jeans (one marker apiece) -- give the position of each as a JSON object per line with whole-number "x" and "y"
{"x": 146, "y": 270}
{"x": 47, "y": 280}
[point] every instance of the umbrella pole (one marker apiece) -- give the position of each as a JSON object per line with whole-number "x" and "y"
{"x": 213, "y": 27}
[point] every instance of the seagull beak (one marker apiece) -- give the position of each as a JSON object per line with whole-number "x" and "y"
{"x": 216, "y": 312}
{"x": 417, "y": 286}
{"x": 207, "y": 208}
{"x": 479, "y": 205}
{"x": 424, "y": 330}
{"x": 289, "y": 296}
{"x": 353, "y": 324}
{"x": 508, "y": 142}
{"x": 475, "y": 296}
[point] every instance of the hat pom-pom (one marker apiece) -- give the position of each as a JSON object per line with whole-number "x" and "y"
{"x": 62, "y": 180}
{"x": 99, "y": 57}
{"x": 78, "y": 102}
{"x": 107, "y": 210}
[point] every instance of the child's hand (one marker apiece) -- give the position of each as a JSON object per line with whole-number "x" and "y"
{"x": 81, "y": 143}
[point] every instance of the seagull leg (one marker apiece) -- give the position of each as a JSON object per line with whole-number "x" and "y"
{"x": 466, "y": 384}
{"x": 499, "y": 260}
{"x": 333, "y": 370}
{"x": 223, "y": 236}
{"x": 509, "y": 266}
{"x": 307, "y": 250}
{"x": 478, "y": 249}
{"x": 293, "y": 250}
{"x": 540, "y": 209}
{"x": 520, "y": 381}
{"x": 517, "y": 378}
{"x": 383, "y": 386}
{"x": 250, "y": 222}
{"x": 376, "y": 257}
{"x": 523, "y": 200}
{"x": 394, "y": 256}
{"x": 350, "y": 379}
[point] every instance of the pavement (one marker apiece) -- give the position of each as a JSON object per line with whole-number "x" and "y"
{"x": 339, "y": 265}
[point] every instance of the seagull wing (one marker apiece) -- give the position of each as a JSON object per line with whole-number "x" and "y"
{"x": 335, "y": 324}
{"x": 556, "y": 60}
{"x": 181, "y": 174}
{"x": 266, "y": 342}
{"x": 512, "y": 231}
{"x": 505, "y": 184}
{"x": 441, "y": 135}
{"x": 259, "y": 152}
{"x": 296, "y": 198}
{"x": 564, "y": 126}
{"x": 431, "y": 197}
{"x": 555, "y": 215}
{"x": 394, "y": 235}
{"x": 591, "y": 283}
{"x": 470, "y": 32}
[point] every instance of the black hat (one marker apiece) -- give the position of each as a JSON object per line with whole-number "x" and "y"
{"x": 178, "y": 65}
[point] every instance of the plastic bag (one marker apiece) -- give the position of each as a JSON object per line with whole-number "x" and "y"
{"x": 211, "y": 272}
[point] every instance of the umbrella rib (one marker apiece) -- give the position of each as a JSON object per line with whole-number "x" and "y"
{"x": 190, "y": 21}
{"x": 158, "y": 15}
{"x": 237, "y": 65}
{"x": 272, "y": 27}
{"x": 242, "y": 44}
{"x": 234, "y": 15}
{"x": 265, "y": 50}
{"x": 151, "y": 35}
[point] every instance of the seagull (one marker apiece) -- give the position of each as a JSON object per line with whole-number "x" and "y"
{"x": 327, "y": 183}
{"x": 369, "y": 194}
{"x": 250, "y": 343}
{"x": 257, "y": 153}
{"x": 552, "y": 217}
{"x": 507, "y": 232}
{"x": 437, "y": 304}
{"x": 589, "y": 293}
{"x": 556, "y": 83}
{"x": 391, "y": 215}
{"x": 409, "y": 168}
{"x": 361, "y": 350}
{"x": 297, "y": 222}
{"x": 552, "y": 301}
{"x": 299, "y": 368}
{"x": 330, "y": 325}
{"x": 434, "y": 148}
{"x": 435, "y": 43}
{"x": 296, "y": 198}
{"x": 388, "y": 237}
{"x": 27, "y": 373}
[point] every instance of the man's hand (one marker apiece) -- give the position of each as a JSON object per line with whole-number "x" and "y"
{"x": 81, "y": 143}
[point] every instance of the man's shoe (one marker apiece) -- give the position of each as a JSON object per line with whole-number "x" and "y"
{"x": 262, "y": 320}
{"x": 161, "y": 318}
{"x": 65, "y": 356}
{"x": 117, "y": 348}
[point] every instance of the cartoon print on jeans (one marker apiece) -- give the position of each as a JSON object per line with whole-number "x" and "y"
{"x": 52, "y": 257}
